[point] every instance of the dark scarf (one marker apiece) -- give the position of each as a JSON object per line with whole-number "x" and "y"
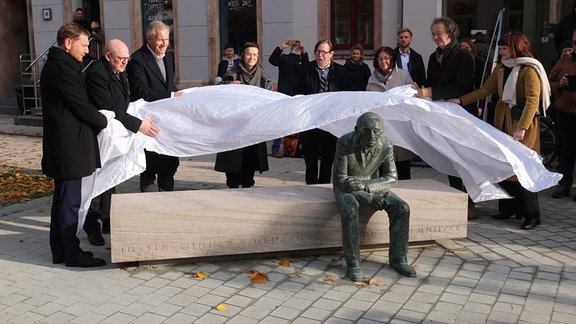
{"x": 252, "y": 77}
{"x": 354, "y": 64}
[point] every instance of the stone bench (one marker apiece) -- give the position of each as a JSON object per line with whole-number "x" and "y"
{"x": 200, "y": 223}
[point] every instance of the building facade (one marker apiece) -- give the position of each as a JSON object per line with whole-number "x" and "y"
{"x": 200, "y": 28}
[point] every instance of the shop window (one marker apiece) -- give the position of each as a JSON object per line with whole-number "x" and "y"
{"x": 352, "y": 23}
{"x": 238, "y": 23}
{"x": 158, "y": 10}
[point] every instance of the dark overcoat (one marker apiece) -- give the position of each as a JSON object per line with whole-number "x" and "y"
{"x": 71, "y": 123}
{"x": 109, "y": 91}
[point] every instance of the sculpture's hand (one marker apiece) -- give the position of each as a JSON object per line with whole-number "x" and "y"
{"x": 353, "y": 184}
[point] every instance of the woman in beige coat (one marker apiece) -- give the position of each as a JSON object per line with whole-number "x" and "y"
{"x": 521, "y": 82}
{"x": 387, "y": 75}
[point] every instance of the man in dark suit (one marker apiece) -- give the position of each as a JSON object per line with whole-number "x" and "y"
{"x": 70, "y": 147}
{"x": 450, "y": 74}
{"x": 320, "y": 75}
{"x": 151, "y": 74}
{"x": 408, "y": 58}
{"x": 364, "y": 173}
{"x": 107, "y": 86}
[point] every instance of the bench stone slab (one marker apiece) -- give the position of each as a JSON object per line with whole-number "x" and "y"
{"x": 200, "y": 223}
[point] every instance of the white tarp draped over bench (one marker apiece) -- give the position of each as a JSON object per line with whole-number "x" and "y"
{"x": 219, "y": 118}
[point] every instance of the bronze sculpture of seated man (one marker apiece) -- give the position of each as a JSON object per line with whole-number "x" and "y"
{"x": 364, "y": 172}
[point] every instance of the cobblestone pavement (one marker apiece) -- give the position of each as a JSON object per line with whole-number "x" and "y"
{"x": 498, "y": 274}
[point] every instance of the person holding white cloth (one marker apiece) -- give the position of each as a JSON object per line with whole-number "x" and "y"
{"x": 521, "y": 83}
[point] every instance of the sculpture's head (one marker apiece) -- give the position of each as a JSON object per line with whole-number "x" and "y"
{"x": 369, "y": 128}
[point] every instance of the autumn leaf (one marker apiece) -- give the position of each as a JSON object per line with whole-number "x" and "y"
{"x": 284, "y": 263}
{"x": 200, "y": 275}
{"x": 294, "y": 275}
{"x": 415, "y": 266}
{"x": 360, "y": 283}
{"x": 221, "y": 308}
{"x": 330, "y": 279}
{"x": 19, "y": 187}
{"x": 256, "y": 276}
{"x": 375, "y": 282}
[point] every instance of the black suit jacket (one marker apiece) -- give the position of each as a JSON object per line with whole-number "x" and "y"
{"x": 146, "y": 80}
{"x": 106, "y": 91}
{"x": 71, "y": 122}
{"x": 415, "y": 66}
{"x": 309, "y": 79}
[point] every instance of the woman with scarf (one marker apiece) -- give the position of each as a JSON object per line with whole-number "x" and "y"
{"x": 241, "y": 164}
{"x": 387, "y": 76}
{"x": 521, "y": 83}
{"x": 358, "y": 71}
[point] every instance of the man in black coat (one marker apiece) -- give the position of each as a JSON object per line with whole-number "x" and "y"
{"x": 151, "y": 74}
{"x": 107, "y": 86}
{"x": 320, "y": 75}
{"x": 408, "y": 58}
{"x": 70, "y": 147}
{"x": 450, "y": 75}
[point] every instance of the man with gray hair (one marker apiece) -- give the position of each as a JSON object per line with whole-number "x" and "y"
{"x": 151, "y": 74}
{"x": 364, "y": 173}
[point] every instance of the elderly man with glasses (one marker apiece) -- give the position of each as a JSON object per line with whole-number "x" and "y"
{"x": 107, "y": 86}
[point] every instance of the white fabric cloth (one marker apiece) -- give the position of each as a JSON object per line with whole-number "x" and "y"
{"x": 213, "y": 119}
{"x": 509, "y": 91}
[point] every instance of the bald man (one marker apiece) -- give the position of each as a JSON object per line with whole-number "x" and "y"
{"x": 107, "y": 85}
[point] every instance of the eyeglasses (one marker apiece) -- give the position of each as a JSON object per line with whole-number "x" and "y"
{"x": 385, "y": 58}
{"x": 122, "y": 59}
{"x": 322, "y": 53}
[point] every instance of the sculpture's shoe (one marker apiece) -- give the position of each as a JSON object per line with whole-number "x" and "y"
{"x": 404, "y": 269}
{"x": 355, "y": 274}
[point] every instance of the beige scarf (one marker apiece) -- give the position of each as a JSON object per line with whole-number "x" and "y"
{"x": 509, "y": 92}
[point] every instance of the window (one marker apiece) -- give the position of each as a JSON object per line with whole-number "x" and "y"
{"x": 237, "y": 23}
{"x": 158, "y": 10}
{"x": 352, "y": 23}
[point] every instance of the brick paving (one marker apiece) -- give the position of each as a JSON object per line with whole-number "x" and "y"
{"x": 498, "y": 274}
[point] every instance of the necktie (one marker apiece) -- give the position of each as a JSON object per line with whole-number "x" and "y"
{"x": 160, "y": 63}
{"x": 322, "y": 82}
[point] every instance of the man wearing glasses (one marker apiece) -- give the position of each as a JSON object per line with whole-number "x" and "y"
{"x": 320, "y": 75}
{"x": 107, "y": 86}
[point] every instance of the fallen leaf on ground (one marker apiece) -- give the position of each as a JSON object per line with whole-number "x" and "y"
{"x": 221, "y": 308}
{"x": 256, "y": 276}
{"x": 360, "y": 283}
{"x": 19, "y": 187}
{"x": 284, "y": 263}
{"x": 375, "y": 282}
{"x": 415, "y": 266}
{"x": 198, "y": 274}
{"x": 330, "y": 279}
{"x": 295, "y": 275}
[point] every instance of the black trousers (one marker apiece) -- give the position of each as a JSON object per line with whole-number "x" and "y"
{"x": 523, "y": 203}
{"x": 64, "y": 218}
{"x": 567, "y": 147}
{"x": 163, "y": 166}
{"x": 99, "y": 210}
{"x": 318, "y": 145}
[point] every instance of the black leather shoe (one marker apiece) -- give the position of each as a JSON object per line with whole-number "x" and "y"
{"x": 61, "y": 259}
{"x": 530, "y": 224}
{"x": 356, "y": 274}
{"x": 96, "y": 239}
{"x": 83, "y": 261}
{"x": 404, "y": 269}
{"x": 502, "y": 216}
{"x": 561, "y": 191}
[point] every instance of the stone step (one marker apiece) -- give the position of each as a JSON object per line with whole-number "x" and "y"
{"x": 205, "y": 223}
